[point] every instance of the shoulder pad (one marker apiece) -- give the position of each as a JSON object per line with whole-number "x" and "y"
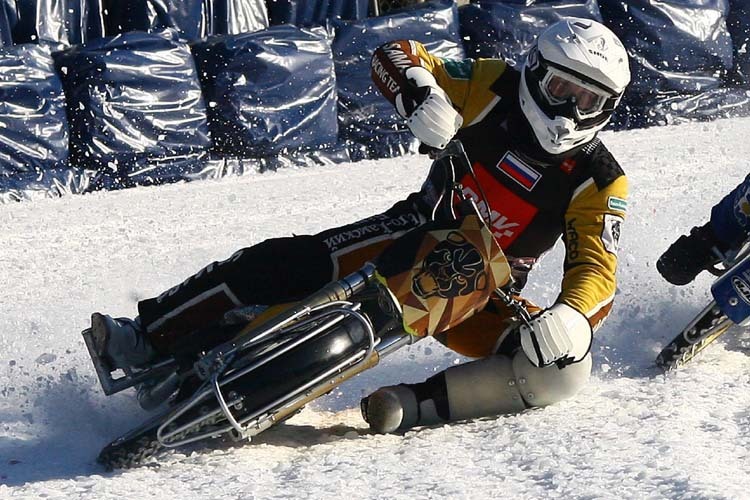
{"x": 601, "y": 165}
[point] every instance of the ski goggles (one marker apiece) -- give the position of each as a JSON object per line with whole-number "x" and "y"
{"x": 559, "y": 88}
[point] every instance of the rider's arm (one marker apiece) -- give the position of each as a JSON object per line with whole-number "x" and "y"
{"x": 593, "y": 223}
{"x": 466, "y": 82}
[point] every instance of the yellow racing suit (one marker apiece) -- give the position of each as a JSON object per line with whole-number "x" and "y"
{"x": 531, "y": 199}
{"x": 531, "y": 202}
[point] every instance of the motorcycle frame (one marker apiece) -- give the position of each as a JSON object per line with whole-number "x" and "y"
{"x": 330, "y": 305}
{"x": 215, "y": 368}
{"x": 222, "y": 354}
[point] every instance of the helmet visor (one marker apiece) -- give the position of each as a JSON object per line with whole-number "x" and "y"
{"x": 561, "y": 88}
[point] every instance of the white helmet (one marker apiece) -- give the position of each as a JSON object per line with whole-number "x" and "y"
{"x": 574, "y": 76}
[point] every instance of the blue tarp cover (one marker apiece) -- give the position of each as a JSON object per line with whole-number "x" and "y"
{"x": 310, "y": 12}
{"x": 270, "y": 91}
{"x": 232, "y": 17}
{"x": 136, "y": 112}
{"x": 507, "y": 30}
{"x": 193, "y": 19}
{"x": 675, "y": 45}
{"x": 8, "y": 19}
{"x": 680, "y": 58}
{"x": 738, "y": 24}
{"x": 134, "y": 106}
{"x": 58, "y": 22}
{"x": 368, "y": 123}
{"x": 33, "y": 125}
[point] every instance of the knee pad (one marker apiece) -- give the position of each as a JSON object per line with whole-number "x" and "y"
{"x": 503, "y": 384}
{"x": 549, "y": 384}
{"x": 483, "y": 388}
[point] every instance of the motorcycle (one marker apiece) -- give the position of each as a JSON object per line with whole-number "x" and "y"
{"x": 730, "y": 306}
{"x": 254, "y": 374}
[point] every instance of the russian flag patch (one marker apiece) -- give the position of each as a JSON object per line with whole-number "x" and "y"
{"x": 517, "y": 170}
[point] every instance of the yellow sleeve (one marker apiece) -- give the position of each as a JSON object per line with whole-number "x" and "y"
{"x": 466, "y": 82}
{"x": 593, "y": 223}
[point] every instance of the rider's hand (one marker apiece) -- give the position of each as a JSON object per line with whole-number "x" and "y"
{"x": 428, "y": 111}
{"x": 559, "y": 334}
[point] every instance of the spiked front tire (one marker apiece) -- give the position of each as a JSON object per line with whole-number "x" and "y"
{"x": 709, "y": 325}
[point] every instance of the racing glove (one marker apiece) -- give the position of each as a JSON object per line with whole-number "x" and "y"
{"x": 558, "y": 335}
{"x": 428, "y": 111}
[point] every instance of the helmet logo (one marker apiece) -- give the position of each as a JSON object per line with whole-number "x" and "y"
{"x": 599, "y": 47}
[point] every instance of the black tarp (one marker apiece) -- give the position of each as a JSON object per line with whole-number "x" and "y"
{"x": 33, "y": 125}
{"x": 679, "y": 45}
{"x": 312, "y": 12}
{"x": 8, "y": 19}
{"x": 368, "y": 123}
{"x": 507, "y": 29}
{"x": 680, "y": 50}
{"x": 193, "y": 19}
{"x": 269, "y": 92}
{"x": 738, "y": 24}
{"x": 58, "y": 22}
{"x": 135, "y": 108}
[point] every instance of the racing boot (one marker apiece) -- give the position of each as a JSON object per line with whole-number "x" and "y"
{"x": 401, "y": 407}
{"x": 121, "y": 342}
{"x": 690, "y": 255}
{"x": 494, "y": 385}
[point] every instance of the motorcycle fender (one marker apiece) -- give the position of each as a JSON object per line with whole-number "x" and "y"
{"x": 732, "y": 292}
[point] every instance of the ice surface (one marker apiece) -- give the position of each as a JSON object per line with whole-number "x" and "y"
{"x": 631, "y": 433}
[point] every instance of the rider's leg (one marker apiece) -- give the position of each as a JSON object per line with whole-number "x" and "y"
{"x": 496, "y": 385}
{"x": 503, "y": 382}
{"x": 276, "y": 271}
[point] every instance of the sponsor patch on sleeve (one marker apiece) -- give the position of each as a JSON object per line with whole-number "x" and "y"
{"x": 615, "y": 203}
{"x": 611, "y": 232}
{"x": 458, "y": 70}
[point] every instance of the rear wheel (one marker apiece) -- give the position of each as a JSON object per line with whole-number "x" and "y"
{"x": 262, "y": 389}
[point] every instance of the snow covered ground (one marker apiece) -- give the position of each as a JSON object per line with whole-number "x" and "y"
{"x": 631, "y": 433}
